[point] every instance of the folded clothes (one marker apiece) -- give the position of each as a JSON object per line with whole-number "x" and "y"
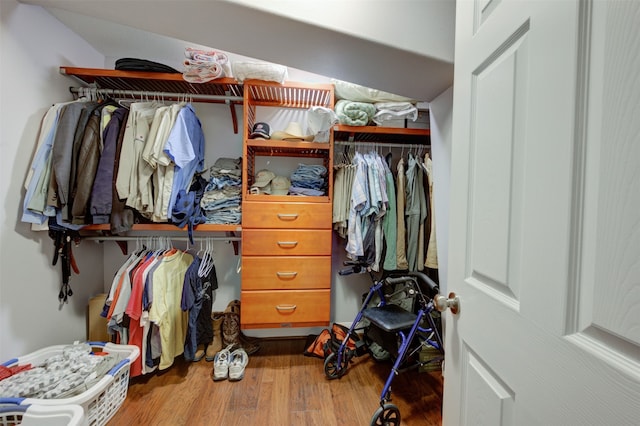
{"x": 353, "y": 113}
{"x": 201, "y": 66}
{"x": 394, "y": 106}
{"x": 355, "y": 92}
{"x": 206, "y": 55}
{"x": 195, "y": 72}
{"x": 394, "y": 111}
{"x": 259, "y": 71}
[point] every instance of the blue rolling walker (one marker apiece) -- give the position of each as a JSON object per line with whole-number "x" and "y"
{"x": 390, "y": 325}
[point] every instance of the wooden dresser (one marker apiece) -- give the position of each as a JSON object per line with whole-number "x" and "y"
{"x": 286, "y": 239}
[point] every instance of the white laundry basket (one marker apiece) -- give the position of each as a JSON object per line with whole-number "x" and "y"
{"x": 42, "y": 415}
{"x": 101, "y": 401}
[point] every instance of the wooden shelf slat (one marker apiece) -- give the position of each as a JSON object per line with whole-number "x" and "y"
{"x": 381, "y": 130}
{"x": 169, "y": 227}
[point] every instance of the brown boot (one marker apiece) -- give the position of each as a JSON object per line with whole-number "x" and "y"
{"x": 232, "y": 317}
{"x": 231, "y": 329}
{"x": 199, "y": 353}
{"x": 215, "y": 346}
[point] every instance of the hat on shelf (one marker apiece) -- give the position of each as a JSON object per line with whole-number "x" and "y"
{"x": 280, "y": 185}
{"x": 260, "y": 131}
{"x": 293, "y": 132}
{"x": 262, "y": 183}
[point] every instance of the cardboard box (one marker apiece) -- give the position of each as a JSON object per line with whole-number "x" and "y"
{"x": 96, "y": 325}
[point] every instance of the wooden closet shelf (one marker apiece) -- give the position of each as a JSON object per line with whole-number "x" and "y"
{"x": 288, "y": 95}
{"x": 381, "y": 134}
{"x": 155, "y": 82}
{"x": 287, "y": 147}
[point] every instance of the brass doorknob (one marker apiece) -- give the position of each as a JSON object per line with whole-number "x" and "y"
{"x": 452, "y": 302}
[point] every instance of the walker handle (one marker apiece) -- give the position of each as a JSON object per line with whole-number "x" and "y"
{"x": 354, "y": 269}
{"x": 399, "y": 280}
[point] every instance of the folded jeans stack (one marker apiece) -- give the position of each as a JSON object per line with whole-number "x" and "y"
{"x": 309, "y": 179}
{"x": 221, "y": 200}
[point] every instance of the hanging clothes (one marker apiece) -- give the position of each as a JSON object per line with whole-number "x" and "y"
{"x": 388, "y": 217}
{"x": 37, "y": 180}
{"x": 401, "y": 242}
{"x": 161, "y": 301}
{"x": 88, "y": 149}
{"x": 101, "y": 202}
{"x": 390, "y": 222}
{"x": 431, "y": 260}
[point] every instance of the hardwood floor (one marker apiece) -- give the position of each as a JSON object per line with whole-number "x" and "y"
{"x": 280, "y": 387}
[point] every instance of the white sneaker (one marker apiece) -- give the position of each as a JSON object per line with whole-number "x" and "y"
{"x": 221, "y": 364}
{"x": 239, "y": 360}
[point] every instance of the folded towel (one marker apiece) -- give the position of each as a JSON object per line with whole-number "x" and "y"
{"x": 206, "y": 55}
{"x": 393, "y": 111}
{"x": 394, "y": 106}
{"x": 354, "y": 113}
{"x": 204, "y": 65}
{"x": 259, "y": 71}
{"x": 201, "y": 72}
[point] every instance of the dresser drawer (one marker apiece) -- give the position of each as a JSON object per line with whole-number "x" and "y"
{"x": 285, "y": 308}
{"x": 286, "y": 242}
{"x": 286, "y": 272}
{"x": 286, "y": 215}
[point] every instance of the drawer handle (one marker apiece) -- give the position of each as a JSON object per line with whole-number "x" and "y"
{"x": 287, "y": 243}
{"x": 286, "y": 307}
{"x": 286, "y": 274}
{"x": 288, "y": 216}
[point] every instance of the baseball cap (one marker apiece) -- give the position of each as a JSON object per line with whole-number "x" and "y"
{"x": 263, "y": 181}
{"x": 280, "y": 185}
{"x": 260, "y": 130}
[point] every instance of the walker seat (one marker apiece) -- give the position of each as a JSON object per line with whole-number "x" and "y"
{"x": 390, "y": 318}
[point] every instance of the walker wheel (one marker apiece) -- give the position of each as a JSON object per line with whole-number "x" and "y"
{"x": 387, "y": 415}
{"x": 331, "y": 368}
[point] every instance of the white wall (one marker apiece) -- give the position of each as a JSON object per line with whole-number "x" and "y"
{"x": 384, "y": 21}
{"x": 440, "y": 115}
{"x": 33, "y": 45}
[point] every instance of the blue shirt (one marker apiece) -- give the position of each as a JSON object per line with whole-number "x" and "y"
{"x": 185, "y": 147}
{"x": 32, "y": 211}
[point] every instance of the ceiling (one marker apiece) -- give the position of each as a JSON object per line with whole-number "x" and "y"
{"x": 403, "y": 47}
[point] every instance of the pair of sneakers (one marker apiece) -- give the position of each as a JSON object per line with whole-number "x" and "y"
{"x": 230, "y": 365}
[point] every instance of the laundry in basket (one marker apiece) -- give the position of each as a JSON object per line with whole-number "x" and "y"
{"x": 100, "y": 395}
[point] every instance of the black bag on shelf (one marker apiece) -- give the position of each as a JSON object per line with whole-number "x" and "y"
{"x": 135, "y": 64}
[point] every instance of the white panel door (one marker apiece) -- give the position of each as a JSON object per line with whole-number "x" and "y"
{"x": 545, "y": 215}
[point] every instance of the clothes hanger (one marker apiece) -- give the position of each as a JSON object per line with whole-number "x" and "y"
{"x": 207, "y": 260}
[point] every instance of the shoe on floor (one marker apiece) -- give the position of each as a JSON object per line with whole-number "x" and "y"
{"x": 237, "y": 364}
{"x": 249, "y": 344}
{"x": 221, "y": 364}
{"x": 200, "y": 352}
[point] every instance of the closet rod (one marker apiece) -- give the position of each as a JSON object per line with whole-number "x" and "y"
{"x": 383, "y": 144}
{"x": 142, "y": 93}
{"x": 141, "y": 238}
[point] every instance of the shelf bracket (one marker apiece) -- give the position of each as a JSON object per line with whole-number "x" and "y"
{"x": 234, "y": 241}
{"x": 234, "y": 117}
